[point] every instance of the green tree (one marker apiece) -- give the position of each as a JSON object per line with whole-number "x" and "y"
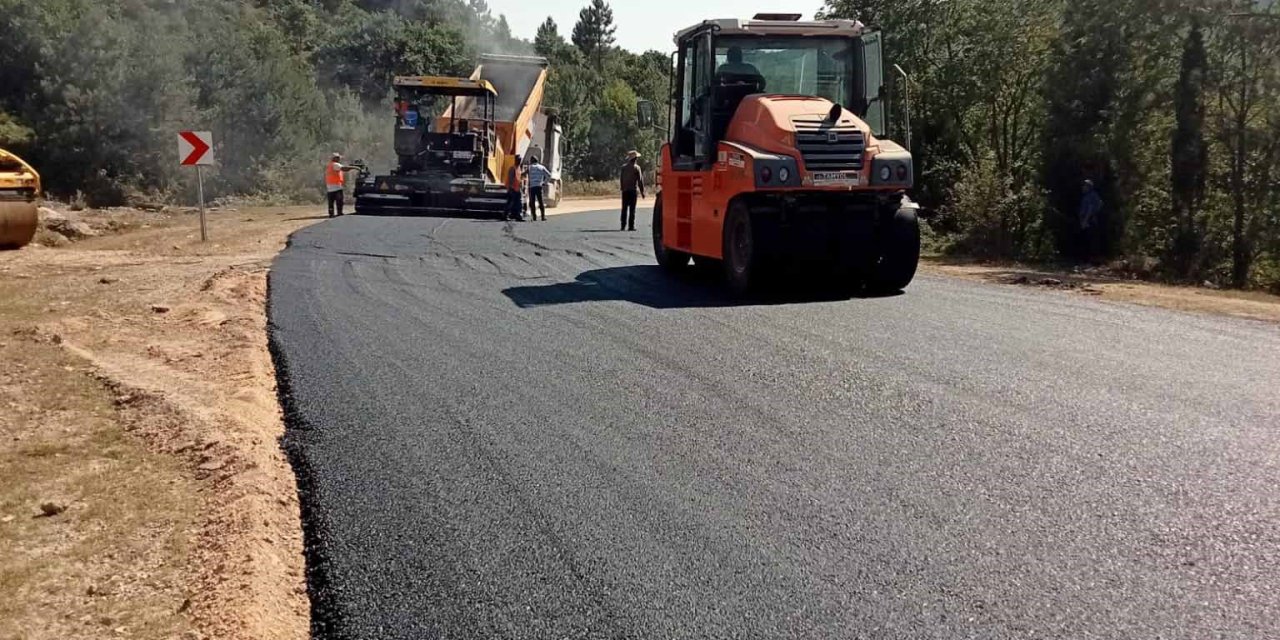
{"x": 613, "y": 131}
{"x": 1080, "y": 89}
{"x": 12, "y": 132}
{"x": 1188, "y": 154}
{"x": 104, "y": 90}
{"x": 593, "y": 34}
{"x": 1248, "y": 79}
{"x": 260, "y": 101}
{"x": 370, "y": 49}
{"x": 548, "y": 40}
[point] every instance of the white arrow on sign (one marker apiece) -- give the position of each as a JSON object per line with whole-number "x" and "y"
{"x": 194, "y": 148}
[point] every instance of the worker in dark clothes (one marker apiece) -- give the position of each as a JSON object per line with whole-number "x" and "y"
{"x": 632, "y": 183}
{"x": 1088, "y": 216}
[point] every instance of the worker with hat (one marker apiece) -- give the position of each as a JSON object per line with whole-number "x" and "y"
{"x": 335, "y": 182}
{"x": 632, "y": 184}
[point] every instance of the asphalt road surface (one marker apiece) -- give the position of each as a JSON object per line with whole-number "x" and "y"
{"x": 529, "y": 431}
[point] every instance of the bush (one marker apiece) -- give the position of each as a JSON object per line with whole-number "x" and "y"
{"x": 992, "y": 218}
{"x": 590, "y": 188}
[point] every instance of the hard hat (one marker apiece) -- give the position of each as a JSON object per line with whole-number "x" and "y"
{"x": 336, "y": 155}
{"x": 633, "y": 154}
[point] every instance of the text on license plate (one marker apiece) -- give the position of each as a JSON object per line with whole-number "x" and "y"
{"x": 843, "y": 178}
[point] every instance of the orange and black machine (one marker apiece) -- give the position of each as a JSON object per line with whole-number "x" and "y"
{"x": 778, "y": 153}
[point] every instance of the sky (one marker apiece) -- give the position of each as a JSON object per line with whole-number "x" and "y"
{"x": 642, "y": 24}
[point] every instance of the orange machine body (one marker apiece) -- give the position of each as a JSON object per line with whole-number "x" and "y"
{"x": 694, "y": 202}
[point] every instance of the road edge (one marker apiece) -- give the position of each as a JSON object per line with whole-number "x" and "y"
{"x": 314, "y": 569}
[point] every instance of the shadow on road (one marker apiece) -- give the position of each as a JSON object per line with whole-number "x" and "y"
{"x": 651, "y": 286}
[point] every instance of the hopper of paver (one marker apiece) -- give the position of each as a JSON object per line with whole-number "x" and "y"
{"x": 519, "y": 81}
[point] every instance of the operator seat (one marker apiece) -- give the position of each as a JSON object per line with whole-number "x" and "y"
{"x": 734, "y": 80}
{"x": 734, "y": 65}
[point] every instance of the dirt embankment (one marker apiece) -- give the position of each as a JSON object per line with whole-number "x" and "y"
{"x": 149, "y": 496}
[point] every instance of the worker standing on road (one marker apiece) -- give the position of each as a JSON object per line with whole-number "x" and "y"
{"x": 538, "y": 178}
{"x": 632, "y": 181}
{"x": 514, "y": 180}
{"x": 335, "y": 182}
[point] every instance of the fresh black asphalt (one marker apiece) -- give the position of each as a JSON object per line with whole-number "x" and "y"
{"x": 529, "y": 431}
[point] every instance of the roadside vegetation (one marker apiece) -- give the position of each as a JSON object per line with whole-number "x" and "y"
{"x": 92, "y": 92}
{"x": 1171, "y": 107}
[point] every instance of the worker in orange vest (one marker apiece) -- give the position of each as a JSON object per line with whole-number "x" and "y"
{"x": 514, "y": 182}
{"x": 335, "y": 181}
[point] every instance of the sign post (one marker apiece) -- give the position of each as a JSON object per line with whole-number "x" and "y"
{"x": 193, "y": 150}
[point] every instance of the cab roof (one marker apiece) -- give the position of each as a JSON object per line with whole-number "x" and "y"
{"x": 753, "y": 27}
{"x": 445, "y": 86}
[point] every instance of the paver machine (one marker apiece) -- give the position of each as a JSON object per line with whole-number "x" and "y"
{"x": 19, "y": 194}
{"x": 777, "y": 154}
{"x": 447, "y": 153}
{"x": 456, "y": 138}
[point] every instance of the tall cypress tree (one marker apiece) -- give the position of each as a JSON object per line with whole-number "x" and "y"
{"x": 1188, "y": 156}
{"x": 593, "y": 35}
{"x": 548, "y": 39}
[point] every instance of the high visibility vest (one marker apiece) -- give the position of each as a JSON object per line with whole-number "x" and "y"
{"x": 514, "y": 178}
{"x": 333, "y": 175}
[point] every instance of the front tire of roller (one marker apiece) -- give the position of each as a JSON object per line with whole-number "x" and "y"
{"x": 897, "y": 264}
{"x": 668, "y": 258}
{"x": 741, "y": 250}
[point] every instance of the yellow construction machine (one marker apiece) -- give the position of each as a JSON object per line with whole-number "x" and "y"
{"x": 19, "y": 193}
{"x": 456, "y": 139}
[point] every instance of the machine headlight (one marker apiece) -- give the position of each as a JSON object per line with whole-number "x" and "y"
{"x": 766, "y": 174}
{"x": 784, "y": 174}
{"x": 886, "y": 172}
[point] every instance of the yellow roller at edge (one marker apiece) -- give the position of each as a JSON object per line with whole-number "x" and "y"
{"x": 19, "y": 195}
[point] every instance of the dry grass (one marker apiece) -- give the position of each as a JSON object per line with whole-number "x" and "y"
{"x": 112, "y": 563}
{"x": 590, "y": 188}
{"x": 157, "y": 430}
{"x": 1254, "y": 305}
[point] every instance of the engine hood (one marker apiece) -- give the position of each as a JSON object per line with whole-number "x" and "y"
{"x": 770, "y": 122}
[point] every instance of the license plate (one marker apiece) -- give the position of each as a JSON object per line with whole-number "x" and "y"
{"x": 835, "y": 178}
{"x": 462, "y": 155}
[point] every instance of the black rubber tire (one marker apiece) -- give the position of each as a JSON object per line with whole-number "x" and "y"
{"x": 668, "y": 258}
{"x": 896, "y": 267}
{"x": 741, "y": 262}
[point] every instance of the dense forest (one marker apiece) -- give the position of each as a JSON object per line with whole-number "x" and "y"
{"x": 1171, "y": 108}
{"x": 94, "y": 91}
